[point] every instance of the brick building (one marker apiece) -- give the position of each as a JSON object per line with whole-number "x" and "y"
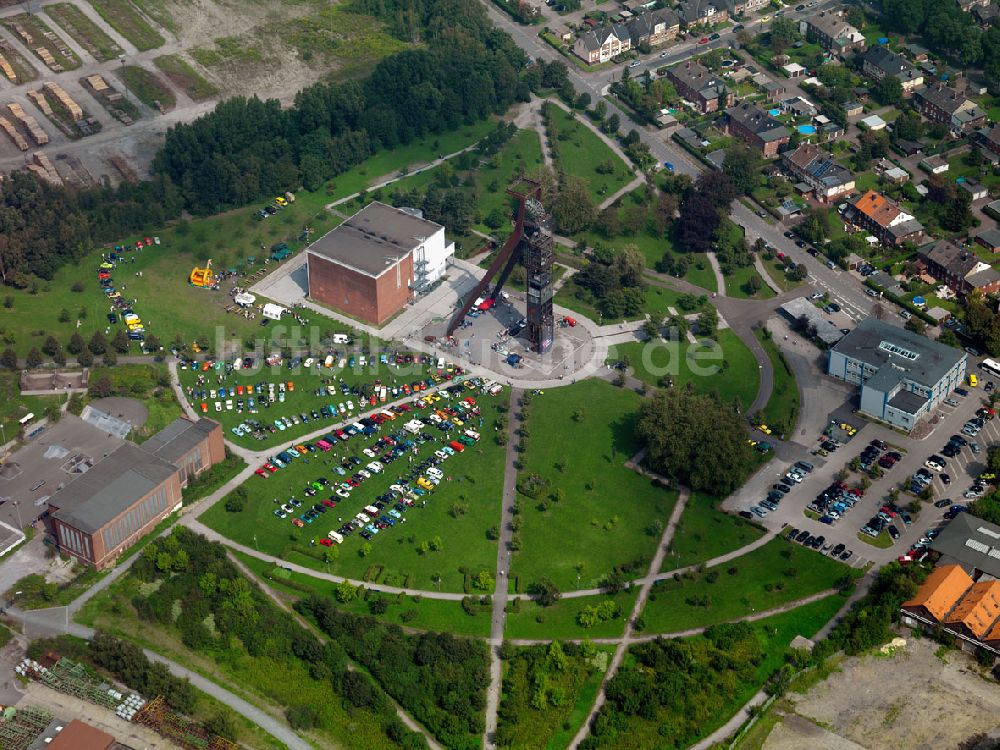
{"x": 757, "y": 128}
{"x": 817, "y": 169}
{"x": 959, "y": 268}
{"x": 943, "y": 104}
{"x": 834, "y": 34}
{"x": 374, "y": 263}
{"x": 883, "y": 218}
{"x": 706, "y": 90}
{"x": 119, "y": 500}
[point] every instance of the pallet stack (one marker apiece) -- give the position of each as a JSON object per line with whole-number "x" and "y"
{"x": 7, "y": 69}
{"x": 50, "y": 172}
{"x": 48, "y": 59}
{"x": 41, "y": 102}
{"x": 38, "y": 135}
{"x": 11, "y": 131}
{"x": 74, "y": 109}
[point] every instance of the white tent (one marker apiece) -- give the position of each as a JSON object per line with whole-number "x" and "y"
{"x": 244, "y": 299}
{"x": 273, "y": 311}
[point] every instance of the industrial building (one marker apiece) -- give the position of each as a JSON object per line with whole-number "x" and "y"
{"x": 372, "y": 265}
{"x": 903, "y": 376}
{"x": 117, "y": 501}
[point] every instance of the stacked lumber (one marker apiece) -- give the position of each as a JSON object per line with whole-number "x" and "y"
{"x": 38, "y": 135}
{"x": 40, "y": 101}
{"x": 15, "y": 136}
{"x": 7, "y": 69}
{"x": 74, "y": 109}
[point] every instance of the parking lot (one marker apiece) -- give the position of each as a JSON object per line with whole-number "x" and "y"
{"x": 961, "y": 470}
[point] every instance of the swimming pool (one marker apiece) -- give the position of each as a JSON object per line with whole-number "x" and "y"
{"x": 774, "y": 112}
{"x": 807, "y": 129}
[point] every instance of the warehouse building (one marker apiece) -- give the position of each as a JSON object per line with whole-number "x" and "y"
{"x": 903, "y": 376}
{"x": 108, "y": 508}
{"x": 376, "y": 262}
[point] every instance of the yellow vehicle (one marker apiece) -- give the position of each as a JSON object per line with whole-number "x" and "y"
{"x": 202, "y": 277}
{"x": 424, "y": 484}
{"x": 973, "y": 380}
{"x": 135, "y": 325}
{"x": 765, "y": 429}
{"x": 281, "y": 201}
{"x": 106, "y": 266}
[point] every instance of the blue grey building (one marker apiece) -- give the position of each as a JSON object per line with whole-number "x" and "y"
{"x": 903, "y": 375}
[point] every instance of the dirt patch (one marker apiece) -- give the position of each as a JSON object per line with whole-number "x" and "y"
{"x": 913, "y": 699}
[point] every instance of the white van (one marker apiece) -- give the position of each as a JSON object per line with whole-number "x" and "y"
{"x": 335, "y": 537}
{"x": 374, "y": 467}
{"x": 371, "y": 510}
{"x": 341, "y": 338}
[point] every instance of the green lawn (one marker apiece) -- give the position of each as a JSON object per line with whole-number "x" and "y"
{"x": 416, "y": 612}
{"x": 705, "y": 532}
{"x": 776, "y": 270}
{"x": 523, "y": 153}
{"x": 768, "y": 577}
{"x": 581, "y": 152}
{"x": 700, "y": 272}
{"x": 782, "y": 409}
{"x": 529, "y": 620}
{"x": 149, "y": 384}
{"x": 731, "y": 369}
{"x": 123, "y": 17}
{"x": 183, "y": 75}
{"x": 86, "y": 32}
{"x": 738, "y": 281}
{"x": 147, "y": 87}
{"x": 473, "y": 485}
{"x": 610, "y": 516}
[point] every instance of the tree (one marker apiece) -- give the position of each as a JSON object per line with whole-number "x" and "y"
{"x": 917, "y": 325}
{"x": 98, "y": 343}
{"x": 76, "y": 343}
{"x": 544, "y": 592}
{"x": 8, "y": 359}
{"x": 783, "y": 34}
{"x": 85, "y": 358}
{"x": 120, "y": 342}
{"x": 34, "y": 358}
{"x": 742, "y": 166}
{"x": 888, "y": 91}
{"x": 574, "y": 209}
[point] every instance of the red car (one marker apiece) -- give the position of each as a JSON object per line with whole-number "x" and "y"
{"x": 149, "y": 242}
{"x": 270, "y": 467}
{"x": 329, "y": 503}
{"x": 326, "y": 542}
{"x": 703, "y": 40}
{"x": 204, "y": 408}
{"x": 353, "y": 482}
{"x": 261, "y": 473}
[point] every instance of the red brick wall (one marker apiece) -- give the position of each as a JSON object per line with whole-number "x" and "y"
{"x": 372, "y": 300}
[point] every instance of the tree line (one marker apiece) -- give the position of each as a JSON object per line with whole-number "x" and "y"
{"x": 248, "y": 149}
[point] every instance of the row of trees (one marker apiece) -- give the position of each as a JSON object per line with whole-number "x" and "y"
{"x": 465, "y": 70}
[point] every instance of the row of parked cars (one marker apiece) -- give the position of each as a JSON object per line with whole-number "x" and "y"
{"x": 819, "y": 543}
{"x": 779, "y": 489}
{"x": 885, "y": 519}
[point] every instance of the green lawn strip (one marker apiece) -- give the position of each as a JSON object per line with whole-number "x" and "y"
{"x": 148, "y": 87}
{"x": 542, "y": 687}
{"x": 209, "y": 481}
{"x": 657, "y": 300}
{"x": 581, "y": 152}
{"x": 610, "y": 516}
{"x": 270, "y": 684}
{"x": 696, "y": 364}
{"x": 459, "y": 512}
{"x": 183, "y": 75}
{"x": 421, "y": 613}
{"x": 777, "y": 271}
{"x": 39, "y": 31}
{"x": 123, "y": 17}
{"x": 706, "y": 532}
{"x": 736, "y": 284}
{"x": 527, "y": 619}
{"x": 148, "y": 383}
{"x": 522, "y": 154}
{"x": 763, "y": 579}
{"x": 782, "y": 408}
{"x": 882, "y": 541}
{"x": 86, "y": 32}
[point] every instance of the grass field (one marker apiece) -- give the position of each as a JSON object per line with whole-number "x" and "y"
{"x": 734, "y": 376}
{"x": 149, "y": 384}
{"x": 782, "y": 409}
{"x": 581, "y": 152}
{"x": 706, "y": 532}
{"x": 766, "y": 578}
{"x": 159, "y": 12}
{"x": 416, "y": 612}
{"x": 529, "y": 620}
{"x": 458, "y": 514}
{"x": 776, "y": 270}
{"x": 86, "y": 32}
{"x": 700, "y": 272}
{"x": 737, "y": 284}
{"x": 148, "y": 87}
{"x": 657, "y": 300}
{"x": 43, "y": 36}
{"x": 183, "y": 75}
{"x": 610, "y": 516}
{"x": 123, "y": 17}
{"x": 523, "y": 153}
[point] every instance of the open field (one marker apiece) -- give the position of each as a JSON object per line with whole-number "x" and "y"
{"x": 86, "y": 32}
{"x": 526, "y": 619}
{"x": 579, "y": 438}
{"x": 769, "y": 576}
{"x": 42, "y": 36}
{"x": 581, "y": 153}
{"x": 185, "y": 77}
{"x": 706, "y": 532}
{"x": 782, "y": 409}
{"x": 734, "y": 376}
{"x": 737, "y": 284}
{"x": 457, "y": 515}
{"x": 148, "y": 87}
{"x": 124, "y": 18}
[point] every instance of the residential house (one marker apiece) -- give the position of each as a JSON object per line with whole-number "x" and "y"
{"x": 603, "y": 44}
{"x": 989, "y": 141}
{"x": 968, "y": 5}
{"x": 834, "y": 34}
{"x": 815, "y": 167}
{"x": 986, "y": 15}
{"x": 883, "y": 219}
{"x": 756, "y": 128}
{"x": 959, "y": 268}
{"x": 746, "y": 7}
{"x": 990, "y": 239}
{"x": 880, "y": 62}
{"x": 653, "y": 27}
{"x": 695, "y": 83}
{"x": 943, "y": 104}
{"x": 696, "y": 13}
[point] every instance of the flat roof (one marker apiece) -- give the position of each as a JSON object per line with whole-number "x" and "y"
{"x": 971, "y": 542}
{"x": 91, "y": 500}
{"x": 908, "y": 401}
{"x": 375, "y": 239}
{"x": 80, "y": 736}
{"x": 915, "y": 357}
{"x": 179, "y": 437}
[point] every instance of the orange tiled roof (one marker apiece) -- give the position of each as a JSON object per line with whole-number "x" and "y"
{"x": 978, "y": 609}
{"x": 941, "y": 591}
{"x": 878, "y": 208}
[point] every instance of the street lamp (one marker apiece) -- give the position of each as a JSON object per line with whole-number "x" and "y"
{"x": 121, "y": 59}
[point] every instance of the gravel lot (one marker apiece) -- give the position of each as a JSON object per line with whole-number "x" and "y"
{"x": 912, "y": 700}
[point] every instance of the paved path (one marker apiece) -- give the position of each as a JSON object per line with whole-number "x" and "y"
{"x": 640, "y": 602}
{"x": 39, "y": 621}
{"x": 765, "y": 274}
{"x": 623, "y": 190}
{"x": 720, "y": 280}
{"x": 502, "y": 589}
